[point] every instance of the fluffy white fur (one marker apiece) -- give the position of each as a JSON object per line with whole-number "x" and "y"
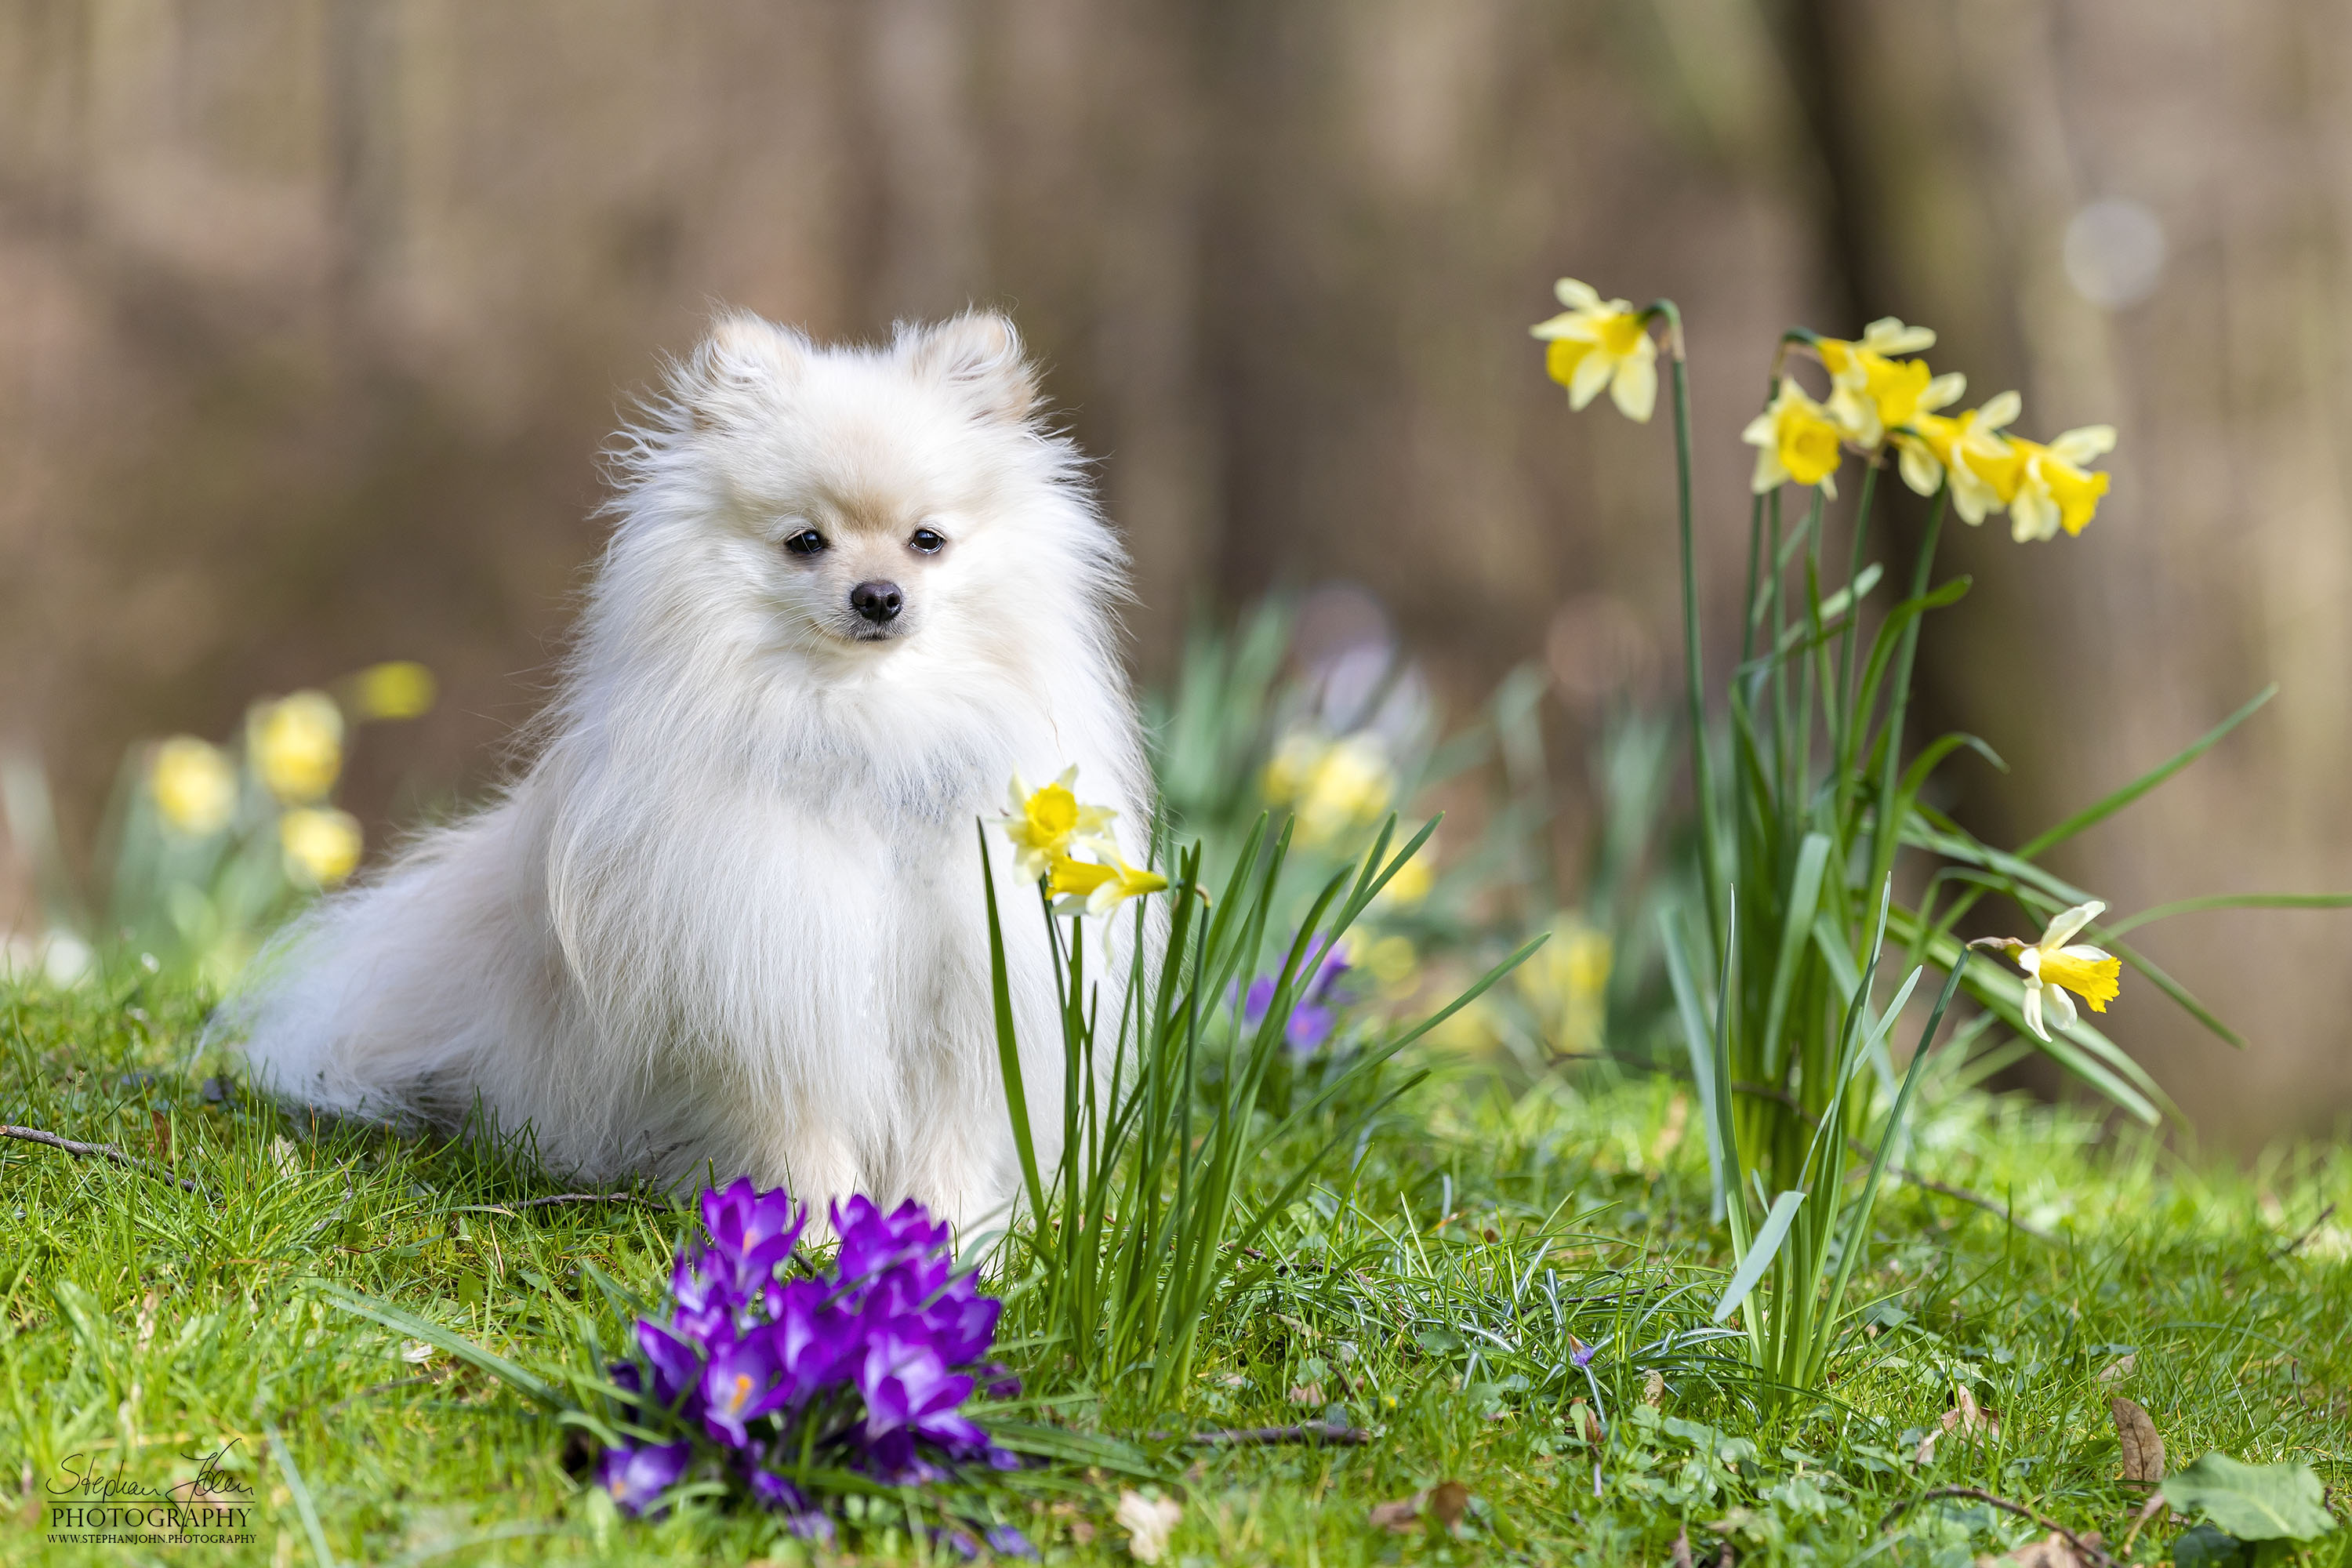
{"x": 730, "y": 920}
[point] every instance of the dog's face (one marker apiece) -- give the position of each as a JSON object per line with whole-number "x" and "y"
{"x": 871, "y": 499}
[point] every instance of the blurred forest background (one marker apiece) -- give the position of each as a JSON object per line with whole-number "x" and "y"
{"x": 313, "y": 315}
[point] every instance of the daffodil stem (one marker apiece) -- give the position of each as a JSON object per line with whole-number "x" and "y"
{"x": 1693, "y": 675}
{"x": 1849, "y": 721}
{"x": 1884, "y": 833}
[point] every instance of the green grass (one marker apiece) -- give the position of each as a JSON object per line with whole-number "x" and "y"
{"x": 1437, "y": 1298}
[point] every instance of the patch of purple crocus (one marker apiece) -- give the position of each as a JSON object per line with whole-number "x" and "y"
{"x": 1315, "y": 1013}
{"x": 865, "y": 1364}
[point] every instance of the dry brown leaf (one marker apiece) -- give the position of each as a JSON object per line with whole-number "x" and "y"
{"x": 2049, "y": 1552}
{"x": 1447, "y": 1501}
{"x": 1399, "y": 1516}
{"x": 1681, "y": 1548}
{"x": 2122, "y": 1367}
{"x": 2142, "y": 1445}
{"x": 1653, "y": 1390}
{"x": 1968, "y": 1417}
{"x": 1307, "y": 1394}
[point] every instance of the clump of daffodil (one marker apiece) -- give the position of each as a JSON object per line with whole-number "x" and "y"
{"x": 194, "y": 785}
{"x": 1969, "y": 451}
{"x": 1333, "y": 787}
{"x": 322, "y": 845}
{"x": 2053, "y": 489}
{"x": 1597, "y": 342}
{"x": 1796, "y": 441}
{"x": 1096, "y": 889}
{"x": 297, "y": 746}
{"x": 2056, "y": 965}
{"x": 1874, "y": 391}
{"x": 1046, "y": 824}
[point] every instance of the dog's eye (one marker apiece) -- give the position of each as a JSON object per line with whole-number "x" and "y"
{"x": 807, "y": 542}
{"x": 927, "y": 540}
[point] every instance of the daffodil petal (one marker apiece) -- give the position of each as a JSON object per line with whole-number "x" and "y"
{"x": 2066, "y": 922}
{"x": 2081, "y": 445}
{"x": 1575, "y": 295}
{"x": 1635, "y": 388}
{"x": 2001, "y": 412}
{"x": 2032, "y": 1011}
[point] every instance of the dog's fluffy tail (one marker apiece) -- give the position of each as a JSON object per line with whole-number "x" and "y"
{"x": 377, "y": 1003}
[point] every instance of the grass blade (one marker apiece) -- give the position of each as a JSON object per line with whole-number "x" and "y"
{"x": 1761, "y": 1253}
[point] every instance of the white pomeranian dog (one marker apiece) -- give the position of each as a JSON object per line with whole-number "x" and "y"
{"x": 730, "y": 920}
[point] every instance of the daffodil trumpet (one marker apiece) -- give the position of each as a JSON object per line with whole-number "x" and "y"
{"x": 2058, "y": 964}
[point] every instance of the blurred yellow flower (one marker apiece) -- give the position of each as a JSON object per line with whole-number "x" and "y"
{"x": 1968, "y": 449}
{"x": 1597, "y": 342}
{"x": 297, "y": 745}
{"x": 399, "y": 689}
{"x": 1796, "y": 441}
{"x": 1046, "y": 822}
{"x": 1410, "y": 882}
{"x": 1333, "y": 786}
{"x": 322, "y": 844}
{"x": 2053, "y": 489}
{"x": 1393, "y": 962}
{"x": 194, "y": 785}
{"x": 2053, "y": 967}
{"x": 1099, "y": 888}
{"x": 1567, "y": 981}
{"x": 1871, "y": 393}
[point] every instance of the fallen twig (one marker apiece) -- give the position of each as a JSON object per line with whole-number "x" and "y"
{"x": 2309, "y": 1231}
{"x": 2094, "y": 1555}
{"x": 1336, "y": 1433}
{"x": 101, "y": 1152}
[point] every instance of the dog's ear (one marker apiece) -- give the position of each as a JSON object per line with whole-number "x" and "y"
{"x": 978, "y": 355}
{"x": 744, "y": 355}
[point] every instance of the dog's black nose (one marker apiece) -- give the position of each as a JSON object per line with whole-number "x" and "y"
{"x": 877, "y": 602}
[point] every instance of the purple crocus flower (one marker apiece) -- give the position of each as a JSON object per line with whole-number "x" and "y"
{"x": 744, "y": 1381}
{"x": 637, "y": 1477}
{"x": 909, "y": 1393}
{"x": 872, "y": 1242}
{"x": 752, "y": 1232}
{"x": 961, "y": 1328}
{"x": 1311, "y": 1016}
{"x": 677, "y": 1363}
{"x": 1007, "y": 1542}
{"x": 1582, "y": 1354}
{"x": 812, "y": 1338}
{"x": 773, "y": 1491}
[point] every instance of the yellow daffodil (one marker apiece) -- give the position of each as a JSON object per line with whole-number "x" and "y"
{"x": 194, "y": 785}
{"x": 297, "y": 745}
{"x": 1796, "y": 441}
{"x": 1597, "y": 342}
{"x": 2053, "y": 489}
{"x": 1333, "y": 786}
{"x": 1872, "y": 392}
{"x": 1046, "y": 823}
{"x": 1098, "y": 889}
{"x": 2053, "y": 967}
{"x": 398, "y": 688}
{"x": 322, "y": 845}
{"x": 1982, "y": 465}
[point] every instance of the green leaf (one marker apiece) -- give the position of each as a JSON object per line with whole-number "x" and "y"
{"x": 1071, "y": 1447}
{"x": 2252, "y": 1502}
{"x": 1760, "y": 1254}
{"x": 2100, "y": 810}
{"x": 527, "y": 1384}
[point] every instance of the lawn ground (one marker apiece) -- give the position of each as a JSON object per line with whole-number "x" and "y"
{"x": 1440, "y": 1298}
